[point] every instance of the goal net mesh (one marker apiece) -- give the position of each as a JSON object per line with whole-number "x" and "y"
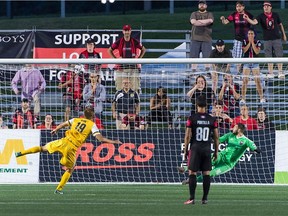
{"x": 152, "y": 148}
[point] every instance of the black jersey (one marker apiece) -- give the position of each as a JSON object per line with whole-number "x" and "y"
{"x": 126, "y": 102}
{"x": 202, "y": 126}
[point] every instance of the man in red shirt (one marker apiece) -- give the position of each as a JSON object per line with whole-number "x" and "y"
{"x": 90, "y": 52}
{"x": 72, "y": 83}
{"x": 128, "y": 47}
{"x": 24, "y": 117}
{"x": 241, "y": 27}
{"x": 244, "y": 118}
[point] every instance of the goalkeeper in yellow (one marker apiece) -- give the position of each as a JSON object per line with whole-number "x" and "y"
{"x": 237, "y": 143}
{"x": 80, "y": 129}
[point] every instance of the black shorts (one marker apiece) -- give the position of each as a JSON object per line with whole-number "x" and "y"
{"x": 199, "y": 159}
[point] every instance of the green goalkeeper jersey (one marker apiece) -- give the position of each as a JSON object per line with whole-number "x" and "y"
{"x": 236, "y": 146}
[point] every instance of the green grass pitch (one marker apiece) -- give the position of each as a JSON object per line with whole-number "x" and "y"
{"x": 126, "y": 200}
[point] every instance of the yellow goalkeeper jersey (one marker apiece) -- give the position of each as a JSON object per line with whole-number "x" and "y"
{"x": 80, "y": 129}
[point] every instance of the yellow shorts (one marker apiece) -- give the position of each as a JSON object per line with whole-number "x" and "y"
{"x": 68, "y": 152}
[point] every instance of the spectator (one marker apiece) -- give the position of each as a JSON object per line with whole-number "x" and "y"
{"x": 241, "y": 27}
{"x": 229, "y": 93}
{"x": 32, "y": 84}
{"x": 201, "y": 33}
{"x": 222, "y": 118}
{"x": 94, "y": 94}
{"x": 131, "y": 121}
{"x": 125, "y": 101}
{"x": 262, "y": 120}
{"x": 271, "y": 25}
{"x": 244, "y": 118}
{"x": 48, "y": 123}
{"x": 90, "y": 52}
{"x": 24, "y": 117}
{"x": 219, "y": 52}
{"x": 2, "y": 123}
{"x": 127, "y": 47}
{"x": 72, "y": 82}
{"x": 160, "y": 105}
{"x": 200, "y": 88}
{"x": 251, "y": 49}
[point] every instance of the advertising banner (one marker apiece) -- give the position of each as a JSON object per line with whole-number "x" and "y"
{"x": 24, "y": 169}
{"x": 153, "y": 156}
{"x": 69, "y": 44}
{"x": 144, "y": 156}
{"x": 281, "y": 162}
{"x": 16, "y": 44}
{"x": 56, "y": 44}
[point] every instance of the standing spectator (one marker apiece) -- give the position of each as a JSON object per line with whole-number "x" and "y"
{"x": 230, "y": 94}
{"x": 94, "y": 94}
{"x": 32, "y": 84}
{"x": 271, "y": 25}
{"x": 24, "y": 117}
{"x": 201, "y": 33}
{"x": 48, "y": 123}
{"x": 72, "y": 82}
{"x": 200, "y": 88}
{"x": 90, "y": 52}
{"x": 199, "y": 129}
{"x": 160, "y": 105}
{"x": 2, "y": 124}
{"x": 262, "y": 120}
{"x": 244, "y": 118}
{"x": 222, "y": 118}
{"x": 219, "y": 52}
{"x": 251, "y": 49}
{"x": 127, "y": 47}
{"x": 125, "y": 101}
{"x": 241, "y": 27}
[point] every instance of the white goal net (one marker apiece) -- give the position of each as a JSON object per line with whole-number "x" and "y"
{"x": 153, "y": 140}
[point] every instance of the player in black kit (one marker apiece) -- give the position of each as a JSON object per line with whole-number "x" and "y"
{"x": 199, "y": 128}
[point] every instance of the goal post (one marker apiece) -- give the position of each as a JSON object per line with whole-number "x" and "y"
{"x": 153, "y": 154}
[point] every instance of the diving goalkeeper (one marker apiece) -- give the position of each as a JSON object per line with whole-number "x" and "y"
{"x": 237, "y": 143}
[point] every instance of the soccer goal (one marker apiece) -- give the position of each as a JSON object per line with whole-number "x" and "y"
{"x": 53, "y": 91}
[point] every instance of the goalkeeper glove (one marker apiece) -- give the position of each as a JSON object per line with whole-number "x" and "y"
{"x": 258, "y": 151}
